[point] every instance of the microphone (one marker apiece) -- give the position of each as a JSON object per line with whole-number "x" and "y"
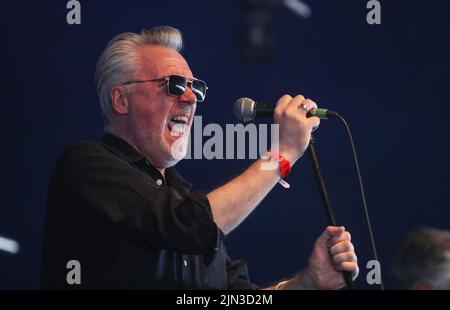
{"x": 246, "y": 109}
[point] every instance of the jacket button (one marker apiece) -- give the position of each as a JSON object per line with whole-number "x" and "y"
{"x": 159, "y": 182}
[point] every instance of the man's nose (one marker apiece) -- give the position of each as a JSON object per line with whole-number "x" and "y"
{"x": 188, "y": 96}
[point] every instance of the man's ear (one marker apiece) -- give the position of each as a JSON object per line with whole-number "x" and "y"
{"x": 119, "y": 100}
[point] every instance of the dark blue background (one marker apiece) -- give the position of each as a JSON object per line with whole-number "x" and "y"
{"x": 389, "y": 81}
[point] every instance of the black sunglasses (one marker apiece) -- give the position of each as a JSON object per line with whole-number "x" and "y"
{"x": 176, "y": 85}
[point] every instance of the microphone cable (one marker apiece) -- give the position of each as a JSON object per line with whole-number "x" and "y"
{"x": 361, "y": 189}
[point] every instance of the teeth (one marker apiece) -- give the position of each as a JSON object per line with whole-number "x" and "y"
{"x": 181, "y": 118}
{"x": 177, "y": 125}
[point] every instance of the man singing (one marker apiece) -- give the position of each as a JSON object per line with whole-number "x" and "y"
{"x": 121, "y": 210}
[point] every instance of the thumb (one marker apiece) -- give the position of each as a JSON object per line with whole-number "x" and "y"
{"x": 323, "y": 238}
{"x": 328, "y": 233}
{"x": 334, "y": 231}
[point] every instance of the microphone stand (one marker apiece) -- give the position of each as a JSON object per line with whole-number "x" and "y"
{"x": 326, "y": 201}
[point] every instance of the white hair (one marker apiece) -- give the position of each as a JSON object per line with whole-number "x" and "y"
{"x": 118, "y": 62}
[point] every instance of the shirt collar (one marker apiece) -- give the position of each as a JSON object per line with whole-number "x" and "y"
{"x": 126, "y": 151}
{"x": 122, "y": 147}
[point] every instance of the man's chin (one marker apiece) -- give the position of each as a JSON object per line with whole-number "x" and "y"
{"x": 174, "y": 150}
{"x": 178, "y": 149}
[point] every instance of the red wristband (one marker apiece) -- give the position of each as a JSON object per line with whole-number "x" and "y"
{"x": 285, "y": 165}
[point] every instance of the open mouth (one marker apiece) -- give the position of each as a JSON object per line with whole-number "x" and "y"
{"x": 177, "y": 125}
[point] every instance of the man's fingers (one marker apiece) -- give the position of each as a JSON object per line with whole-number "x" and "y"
{"x": 294, "y": 105}
{"x": 342, "y": 247}
{"x": 310, "y": 105}
{"x": 329, "y": 233}
{"x": 336, "y": 239}
{"x": 352, "y": 267}
{"x": 342, "y": 251}
{"x": 343, "y": 236}
{"x": 324, "y": 237}
{"x": 283, "y": 102}
{"x": 334, "y": 231}
{"x": 344, "y": 257}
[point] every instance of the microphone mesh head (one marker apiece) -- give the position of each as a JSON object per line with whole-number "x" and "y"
{"x": 244, "y": 109}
